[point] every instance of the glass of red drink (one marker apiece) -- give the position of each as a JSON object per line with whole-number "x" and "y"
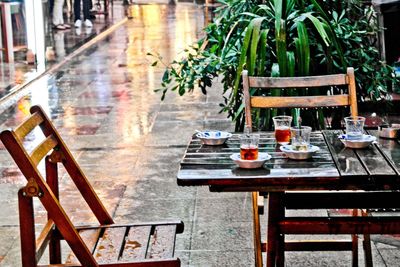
{"x": 282, "y": 129}
{"x": 249, "y": 146}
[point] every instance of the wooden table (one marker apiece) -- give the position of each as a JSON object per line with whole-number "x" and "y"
{"x": 374, "y": 170}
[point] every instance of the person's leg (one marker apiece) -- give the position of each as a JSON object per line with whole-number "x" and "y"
{"x": 69, "y": 8}
{"x": 77, "y": 10}
{"x": 51, "y": 6}
{"x": 86, "y": 14}
{"x": 57, "y": 12}
{"x": 58, "y": 20}
{"x": 86, "y": 9}
{"x": 77, "y": 14}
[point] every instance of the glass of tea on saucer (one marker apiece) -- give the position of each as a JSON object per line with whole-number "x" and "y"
{"x": 282, "y": 129}
{"x": 300, "y": 138}
{"x": 249, "y": 146}
{"x": 354, "y": 127}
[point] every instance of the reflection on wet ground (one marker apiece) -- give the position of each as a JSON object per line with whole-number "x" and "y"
{"x": 60, "y": 43}
{"x": 103, "y": 103}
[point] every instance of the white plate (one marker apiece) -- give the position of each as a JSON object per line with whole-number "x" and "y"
{"x": 365, "y": 141}
{"x": 251, "y": 164}
{"x": 296, "y": 154}
{"x": 213, "y": 138}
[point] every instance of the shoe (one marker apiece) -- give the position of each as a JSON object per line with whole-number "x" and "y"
{"x": 67, "y": 26}
{"x": 59, "y": 27}
{"x": 88, "y": 30}
{"x": 78, "y": 23}
{"x": 78, "y": 31}
{"x": 88, "y": 23}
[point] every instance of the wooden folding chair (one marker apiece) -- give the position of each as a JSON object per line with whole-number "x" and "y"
{"x": 276, "y": 208}
{"x": 106, "y": 244}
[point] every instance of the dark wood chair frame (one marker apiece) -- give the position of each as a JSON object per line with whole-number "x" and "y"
{"x": 156, "y": 240}
{"x": 275, "y": 248}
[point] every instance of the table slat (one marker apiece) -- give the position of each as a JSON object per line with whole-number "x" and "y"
{"x": 391, "y": 148}
{"x": 345, "y": 159}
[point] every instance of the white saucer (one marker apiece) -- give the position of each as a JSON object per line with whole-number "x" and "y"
{"x": 251, "y": 164}
{"x": 297, "y": 154}
{"x": 213, "y": 138}
{"x": 363, "y": 142}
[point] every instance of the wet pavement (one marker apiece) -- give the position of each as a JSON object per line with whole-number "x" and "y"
{"x": 62, "y": 43}
{"x": 129, "y": 144}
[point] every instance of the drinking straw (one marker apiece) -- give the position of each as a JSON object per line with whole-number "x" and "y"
{"x": 299, "y": 125}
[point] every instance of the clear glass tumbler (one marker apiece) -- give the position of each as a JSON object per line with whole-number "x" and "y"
{"x": 300, "y": 138}
{"x": 249, "y": 146}
{"x": 354, "y": 127}
{"x": 282, "y": 129}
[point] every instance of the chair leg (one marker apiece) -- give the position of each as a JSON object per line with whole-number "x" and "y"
{"x": 27, "y": 230}
{"x": 256, "y": 231}
{"x": 354, "y": 241}
{"x": 367, "y": 246}
{"x": 280, "y": 255}
{"x": 52, "y": 180}
{"x": 275, "y": 211}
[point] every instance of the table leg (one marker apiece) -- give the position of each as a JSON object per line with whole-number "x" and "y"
{"x": 274, "y": 239}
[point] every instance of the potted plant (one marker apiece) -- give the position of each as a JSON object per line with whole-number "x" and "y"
{"x": 282, "y": 38}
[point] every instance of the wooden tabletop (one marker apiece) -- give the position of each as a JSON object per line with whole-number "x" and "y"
{"x": 333, "y": 167}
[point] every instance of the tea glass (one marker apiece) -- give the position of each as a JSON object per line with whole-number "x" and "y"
{"x": 282, "y": 129}
{"x": 300, "y": 138}
{"x": 249, "y": 146}
{"x": 354, "y": 127}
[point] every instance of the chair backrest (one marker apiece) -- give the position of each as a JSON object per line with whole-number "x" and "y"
{"x": 54, "y": 151}
{"x": 348, "y": 99}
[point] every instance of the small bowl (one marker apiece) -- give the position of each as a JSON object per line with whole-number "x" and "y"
{"x": 389, "y": 132}
{"x": 251, "y": 164}
{"x": 299, "y": 155}
{"x": 213, "y": 138}
{"x": 363, "y": 142}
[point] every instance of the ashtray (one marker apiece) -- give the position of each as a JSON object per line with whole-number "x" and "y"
{"x": 299, "y": 154}
{"x": 390, "y": 132}
{"x": 213, "y": 138}
{"x": 251, "y": 164}
{"x": 363, "y": 142}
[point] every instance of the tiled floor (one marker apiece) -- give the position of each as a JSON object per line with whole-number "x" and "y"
{"x": 129, "y": 144}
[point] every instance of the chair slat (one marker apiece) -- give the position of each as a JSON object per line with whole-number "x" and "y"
{"x": 162, "y": 242}
{"x": 300, "y": 101}
{"x": 297, "y": 82}
{"x": 89, "y": 237}
{"x": 340, "y": 225}
{"x": 109, "y": 246}
{"x": 44, "y": 238}
{"x": 136, "y": 244}
{"x": 41, "y": 150}
{"x": 28, "y": 125}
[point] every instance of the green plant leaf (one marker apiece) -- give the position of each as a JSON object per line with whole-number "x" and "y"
{"x": 319, "y": 26}
{"x": 263, "y": 52}
{"x": 291, "y": 63}
{"x": 254, "y": 44}
{"x": 302, "y": 49}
